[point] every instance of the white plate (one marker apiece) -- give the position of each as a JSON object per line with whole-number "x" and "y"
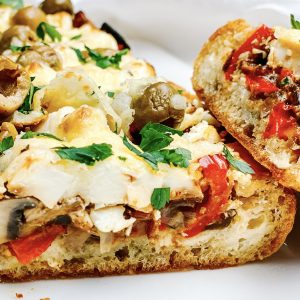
{"x": 169, "y": 34}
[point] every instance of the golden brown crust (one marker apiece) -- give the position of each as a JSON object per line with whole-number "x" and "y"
{"x": 165, "y": 259}
{"x": 235, "y": 33}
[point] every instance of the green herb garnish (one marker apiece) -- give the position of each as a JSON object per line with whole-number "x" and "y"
{"x": 76, "y": 37}
{"x": 180, "y": 92}
{"x": 79, "y": 54}
{"x": 13, "y": 3}
{"x": 295, "y": 24}
{"x": 45, "y": 28}
{"x": 110, "y": 94}
{"x": 87, "y": 155}
{"x": 123, "y": 158}
{"x": 160, "y": 197}
{"x": 237, "y": 164}
{"x": 14, "y": 48}
{"x": 6, "y": 144}
{"x": 31, "y": 134}
{"x": 178, "y": 157}
{"x": 25, "y": 108}
{"x": 285, "y": 81}
{"x": 157, "y": 136}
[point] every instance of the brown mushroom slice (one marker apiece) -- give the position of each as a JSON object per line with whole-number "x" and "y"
{"x": 12, "y": 215}
{"x": 30, "y": 16}
{"x": 14, "y": 86}
{"x": 17, "y": 35}
{"x": 55, "y": 6}
{"x": 41, "y": 54}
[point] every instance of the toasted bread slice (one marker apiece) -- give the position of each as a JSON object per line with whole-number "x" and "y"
{"x": 246, "y": 116}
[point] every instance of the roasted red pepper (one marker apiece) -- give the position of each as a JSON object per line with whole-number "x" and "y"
{"x": 282, "y": 123}
{"x": 32, "y": 246}
{"x": 259, "y": 84}
{"x": 259, "y": 170}
{"x": 214, "y": 169}
{"x": 254, "y": 41}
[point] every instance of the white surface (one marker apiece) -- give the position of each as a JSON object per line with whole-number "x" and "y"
{"x": 187, "y": 25}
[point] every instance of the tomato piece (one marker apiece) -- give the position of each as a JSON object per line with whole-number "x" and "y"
{"x": 254, "y": 41}
{"x": 258, "y": 85}
{"x": 260, "y": 171}
{"x": 214, "y": 168}
{"x": 32, "y": 246}
{"x": 285, "y": 73}
{"x": 281, "y": 123}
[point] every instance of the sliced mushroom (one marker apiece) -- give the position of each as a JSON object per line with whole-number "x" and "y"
{"x": 14, "y": 86}
{"x": 17, "y": 35}
{"x": 12, "y": 216}
{"x": 55, "y": 6}
{"x": 41, "y": 54}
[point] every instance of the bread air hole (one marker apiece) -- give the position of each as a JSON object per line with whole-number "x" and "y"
{"x": 256, "y": 222}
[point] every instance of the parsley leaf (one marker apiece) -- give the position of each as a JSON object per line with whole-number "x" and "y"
{"x": 157, "y": 136}
{"x": 285, "y": 81}
{"x": 87, "y": 155}
{"x": 25, "y": 108}
{"x": 151, "y": 160}
{"x": 179, "y": 157}
{"x": 106, "y": 61}
{"x": 237, "y": 164}
{"x": 160, "y": 197}
{"x": 180, "y": 92}
{"x": 6, "y": 144}
{"x": 13, "y": 3}
{"x": 31, "y": 134}
{"x": 79, "y": 54}
{"x": 295, "y": 24}
{"x": 123, "y": 158}
{"x": 19, "y": 49}
{"x": 76, "y": 37}
{"x": 110, "y": 94}
{"x": 45, "y": 28}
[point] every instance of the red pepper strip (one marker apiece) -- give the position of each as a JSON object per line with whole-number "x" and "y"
{"x": 258, "y": 84}
{"x": 32, "y": 246}
{"x": 259, "y": 170}
{"x": 253, "y": 41}
{"x": 281, "y": 122}
{"x": 285, "y": 73}
{"x": 214, "y": 168}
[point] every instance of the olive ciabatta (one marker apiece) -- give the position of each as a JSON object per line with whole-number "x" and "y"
{"x": 106, "y": 168}
{"x": 249, "y": 79}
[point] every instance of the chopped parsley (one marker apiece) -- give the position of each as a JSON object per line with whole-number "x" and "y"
{"x": 237, "y": 164}
{"x": 79, "y": 54}
{"x": 156, "y": 136}
{"x": 123, "y": 158}
{"x": 13, "y": 3}
{"x": 87, "y": 155}
{"x": 76, "y": 37}
{"x": 14, "y": 48}
{"x": 45, "y": 28}
{"x": 6, "y": 144}
{"x": 31, "y": 134}
{"x": 178, "y": 157}
{"x": 110, "y": 94}
{"x": 160, "y": 197}
{"x": 180, "y": 92}
{"x": 285, "y": 81}
{"x": 295, "y": 23}
{"x": 25, "y": 108}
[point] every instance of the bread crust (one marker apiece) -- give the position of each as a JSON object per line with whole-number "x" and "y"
{"x": 287, "y": 177}
{"x": 164, "y": 260}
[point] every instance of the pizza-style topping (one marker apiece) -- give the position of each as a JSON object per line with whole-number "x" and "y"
{"x": 159, "y": 103}
{"x": 239, "y": 165}
{"x": 28, "y": 248}
{"x": 255, "y": 41}
{"x": 214, "y": 168}
{"x": 155, "y": 137}
{"x": 55, "y": 6}
{"x": 259, "y": 170}
{"x": 44, "y": 29}
{"x": 122, "y": 44}
{"x": 17, "y": 34}
{"x": 14, "y": 85}
{"x": 40, "y": 54}
{"x": 87, "y": 155}
{"x": 160, "y": 197}
{"x": 30, "y": 16}
{"x": 282, "y": 122}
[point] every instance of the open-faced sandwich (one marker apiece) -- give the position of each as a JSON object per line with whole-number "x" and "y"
{"x": 249, "y": 78}
{"x": 106, "y": 168}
